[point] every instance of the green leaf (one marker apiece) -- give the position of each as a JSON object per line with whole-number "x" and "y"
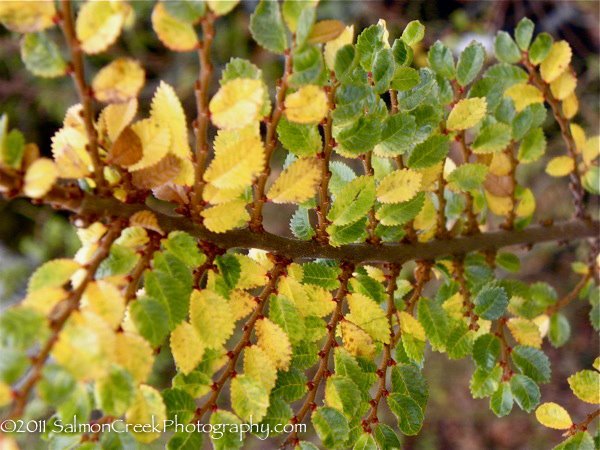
{"x": 321, "y": 275}
{"x": 226, "y": 437}
{"x": 508, "y": 261}
{"x": 56, "y": 385}
{"x": 484, "y": 383}
{"x": 52, "y": 274}
{"x": 266, "y": 26}
{"x": 383, "y": 70}
{"x": 21, "y": 327}
{"x": 409, "y": 100}
{"x": 305, "y": 445}
{"x": 501, "y": 402}
{"x": 249, "y": 398}
{"x": 345, "y": 63}
{"x": 42, "y": 56}
{"x": 486, "y": 351}
{"x": 341, "y": 175}
{"x": 469, "y": 176}
{"x": 413, "y": 33}
{"x": 300, "y": 139}
{"x": 460, "y": 341}
{"x": 346, "y": 365}
{"x": 400, "y": 213}
{"x": 532, "y": 362}
{"x": 115, "y": 391}
{"x": 397, "y": 135}
{"x": 405, "y": 78}
{"x": 300, "y": 224}
{"x": 353, "y": 201}
{"x": 148, "y": 315}
{"x": 435, "y": 322}
{"x": 559, "y": 330}
{"x": 524, "y": 33}
{"x": 365, "y": 442}
{"x": 331, "y": 426}
{"x": 285, "y": 314}
{"x": 229, "y": 268}
{"x": 441, "y": 60}
{"x": 186, "y": 10}
{"x": 491, "y": 302}
{"x": 409, "y": 413}
{"x": 364, "y": 284}
{"x": 13, "y": 364}
{"x": 532, "y": 146}
{"x": 342, "y": 394}
{"x": 195, "y": 383}
{"x": 579, "y": 441}
{"x": 506, "y": 49}
{"x": 492, "y": 138}
{"x": 540, "y": 48}
{"x": 525, "y": 392}
{"x": 403, "y": 53}
{"x": 185, "y": 441}
{"x": 184, "y": 247}
{"x": 180, "y": 405}
{"x": 368, "y": 43}
{"x": 347, "y": 234}
{"x": 309, "y": 67}
{"x": 470, "y": 63}
{"x": 172, "y": 294}
{"x": 430, "y": 152}
{"x": 305, "y": 23}
{"x": 386, "y": 437}
{"x": 361, "y": 136}
{"x": 12, "y": 149}
{"x": 290, "y": 385}
{"x": 584, "y": 385}
{"x": 408, "y": 380}
{"x": 121, "y": 260}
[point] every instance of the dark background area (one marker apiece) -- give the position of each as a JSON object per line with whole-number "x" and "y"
{"x": 30, "y": 235}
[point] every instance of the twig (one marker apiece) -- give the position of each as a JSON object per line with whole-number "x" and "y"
{"x": 322, "y": 371}
{"x": 507, "y": 371}
{"x": 422, "y": 277}
{"x": 567, "y": 299}
{"x": 459, "y": 274}
{"x": 372, "y": 224}
{"x": 583, "y": 425}
{"x": 84, "y": 91}
{"x": 472, "y": 225}
{"x": 512, "y": 215}
{"x": 146, "y": 256}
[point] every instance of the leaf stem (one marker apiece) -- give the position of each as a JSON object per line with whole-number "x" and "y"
{"x": 372, "y": 224}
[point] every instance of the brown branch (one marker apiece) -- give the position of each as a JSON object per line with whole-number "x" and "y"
{"x": 468, "y": 305}
{"x": 507, "y": 371}
{"x": 567, "y": 299}
{"x": 83, "y": 90}
{"x": 512, "y": 215}
{"x": 203, "y": 117}
{"x": 57, "y": 318}
{"x": 575, "y": 185}
{"x": 323, "y": 370}
{"x": 229, "y": 372}
{"x": 386, "y": 360}
{"x": 145, "y": 258}
{"x": 372, "y": 223}
{"x": 256, "y": 218}
{"x": 441, "y": 231}
{"x": 583, "y": 425}
{"x": 472, "y": 224}
{"x": 422, "y": 277}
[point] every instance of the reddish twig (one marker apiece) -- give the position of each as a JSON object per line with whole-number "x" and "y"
{"x": 468, "y": 305}
{"x": 567, "y": 299}
{"x": 372, "y": 223}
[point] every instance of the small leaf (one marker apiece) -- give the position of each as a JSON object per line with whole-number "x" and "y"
{"x": 540, "y": 48}
{"x": 266, "y": 26}
{"x": 506, "y": 49}
{"x": 466, "y": 113}
{"x": 40, "y": 177}
{"x": 559, "y": 331}
{"x": 532, "y": 362}
{"x": 297, "y": 183}
{"x": 307, "y": 105}
{"x": 98, "y": 25}
{"x": 524, "y": 33}
{"x": 554, "y": 416}
{"x": 470, "y": 63}
{"x": 249, "y": 398}
{"x": 42, "y": 56}
{"x": 501, "y": 402}
{"x": 491, "y": 302}
{"x": 399, "y": 186}
{"x": 331, "y": 426}
{"x": 119, "y": 81}
{"x": 560, "y": 166}
{"x": 584, "y": 385}
{"x": 353, "y": 201}
{"x": 325, "y": 31}
{"x": 300, "y": 139}
{"x": 430, "y": 152}
{"x": 525, "y": 392}
{"x": 441, "y": 60}
{"x": 556, "y": 62}
{"x": 413, "y": 32}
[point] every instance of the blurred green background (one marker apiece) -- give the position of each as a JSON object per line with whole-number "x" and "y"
{"x": 30, "y": 235}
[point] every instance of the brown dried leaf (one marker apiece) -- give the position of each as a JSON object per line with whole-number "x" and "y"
{"x": 127, "y": 149}
{"x": 325, "y": 31}
{"x": 160, "y": 173}
{"x": 499, "y": 186}
{"x": 171, "y": 192}
{"x": 147, "y": 220}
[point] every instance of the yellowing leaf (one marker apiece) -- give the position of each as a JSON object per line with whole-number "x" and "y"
{"x": 54, "y": 273}
{"x": 399, "y": 186}
{"x": 258, "y": 365}
{"x": 173, "y": 33}
{"x": 552, "y": 415}
{"x": 500, "y": 206}
{"x": 591, "y": 150}
{"x": 427, "y": 216}
{"x": 239, "y": 157}
{"x": 526, "y": 205}
{"x": 570, "y": 106}
{"x": 237, "y": 104}
{"x": 104, "y": 300}
{"x": 307, "y": 105}
{"x": 221, "y": 7}
{"x": 115, "y": 117}
{"x": 216, "y": 196}
{"x": 356, "y": 341}
{"x": 164, "y": 171}
{"x": 147, "y": 408}
{"x": 467, "y": 113}
{"x": 578, "y": 136}
{"x": 27, "y": 16}
{"x": 187, "y": 347}
{"x": 331, "y": 48}
{"x": 525, "y": 331}
{"x": 166, "y": 109}
{"x": 44, "y": 300}
{"x": 242, "y": 303}
{"x": 133, "y": 237}
{"x": 564, "y": 85}
{"x": 133, "y": 352}
{"x": 40, "y": 177}
{"x": 147, "y": 220}
{"x": 501, "y": 164}
{"x": 560, "y": 166}
{"x": 98, "y": 25}
{"x": 584, "y": 385}
{"x": 119, "y": 81}
{"x": 155, "y": 139}
{"x": 252, "y": 274}
{"x": 211, "y": 316}
{"x": 249, "y": 398}
{"x": 556, "y": 62}
{"x": 311, "y": 300}
{"x": 523, "y": 95}
{"x": 367, "y": 314}
{"x": 297, "y": 183}
{"x": 70, "y": 155}
{"x": 226, "y": 216}
{"x": 410, "y": 325}
{"x": 275, "y": 343}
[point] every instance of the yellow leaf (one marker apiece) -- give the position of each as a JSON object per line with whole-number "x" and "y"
{"x": 307, "y": 105}
{"x": 578, "y": 136}
{"x": 525, "y": 331}
{"x": 309, "y": 299}
{"x": 98, "y": 25}
{"x": 27, "y": 16}
{"x": 430, "y": 176}
{"x": 331, "y": 48}
{"x": 375, "y": 272}
{"x": 237, "y": 104}
{"x": 221, "y": 7}
{"x": 133, "y": 352}
{"x": 239, "y": 157}
{"x": 500, "y": 206}
{"x": 426, "y": 218}
{"x": 453, "y": 306}
{"x": 297, "y": 183}
{"x": 147, "y": 408}
{"x": 259, "y": 366}
{"x": 44, "y": 300}
{"x": 211, "y": 316}
{"x": 591, "y": 150}
{"x": 399, "y": 186}
{"x": 70, "y": 155}
{"x": 325, "y": 31}
{"x": 556, "y": 62}
{"x": 252, "y": 274}
{"x": 173, "y": 33}
{"x": 564, "y": 85}
{"x": 275, "y": 343}
{"x": 596, "y": 363}
{"x": 216, "y": 196}
{"x": 570, "y": 106}
{"x": 526, "y": 205}
{"x": 187, "y": 347}
{"x": 501, "y": 164}
{"x": 5, "y": 399}
{"x": 147, "y": 220}
{"x": 410, "y": 325}
{"x": 104, "y": 300}
{"x": 226, "y": 216}
{"x": 186, "y": 174}
{"x": 560, "y": 166}
{"x": 320, "y": 303}
{"x": 115, "y": 117}
{"x": 155, "y": 139}
{"x": 584, "y": 385}
{"x": 552, "y": 415}
{"x": 40, "y": 177}
{"x": 119, "y": 81}
{"x": 356, "y": 341}
{"x": 54, "y": 273}
{"x": 166, "y": 109}
{"x": 133, "y": 237}
{"x": 242, "y": 303}
{"x": 368, "y": 315}
{"x": 523, "y": 95}
{"x": 467, "y": 113}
